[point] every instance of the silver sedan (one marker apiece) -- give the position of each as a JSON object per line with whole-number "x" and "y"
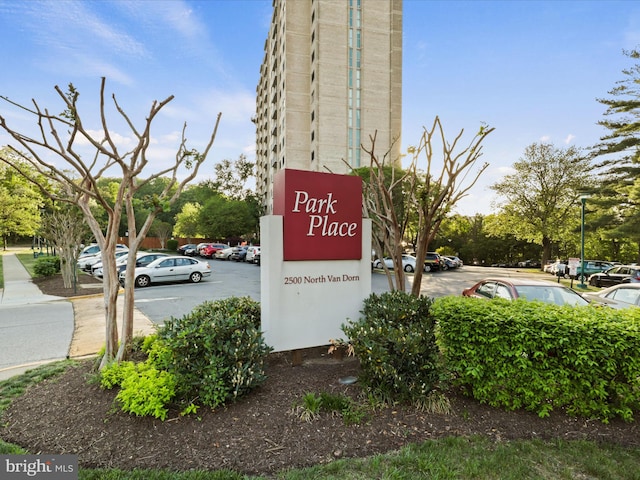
{"x": 170, "y": 269}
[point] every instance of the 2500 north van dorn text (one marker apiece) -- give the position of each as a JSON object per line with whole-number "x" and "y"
{"x": 308, "y": 279}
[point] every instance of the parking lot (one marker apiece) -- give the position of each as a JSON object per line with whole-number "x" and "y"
{"x": 228, "y": 278}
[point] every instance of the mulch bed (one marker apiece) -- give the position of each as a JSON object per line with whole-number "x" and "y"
{"x": 54, "y": 285}
{"x": 262, "y": 433}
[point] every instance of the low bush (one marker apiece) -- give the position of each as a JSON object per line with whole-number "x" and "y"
{"x": 542, "y": 357}
{"x": 172, "y": 245}
{"x": 217, "y": 351}
{"x": 144, "y": 390}
{"x": 396, "y": 345}
{"x": 212, "y": 355}
{"x": 47, "y": 266}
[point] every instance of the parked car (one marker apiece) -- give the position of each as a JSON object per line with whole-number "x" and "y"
{"x": 142, "y": 260}
{"x": 256, "y": 259}
{"x": 239, "y": 253}
{"x": 209, "y": 250}
{"x": 616, "y": 275}
{"x": 408, "y": 263}
{"x": 448, "y": 263}
{"x": 528, "y": 264}
{"x": 191, "y": 251}
{"x": 86, "y": 263}
{"x": 623, "y": 295}
{"x": 512, "y": 288}
{"x": 183, "y": 249}
{"x": 224, "y": 254}
{"x": 94, "y": 249}
{"x": 559, "y": 268}
{"x": 169, "y": 269}
{"x": 591, "y": 267}
{"x": 456, "y": 260}
{"x": 200, "y": 246}
{"x": 252, "y": 250}
{"x": 433, "y": 262}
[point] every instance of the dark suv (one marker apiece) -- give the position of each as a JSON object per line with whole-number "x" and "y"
{"x": 433, "y": 262}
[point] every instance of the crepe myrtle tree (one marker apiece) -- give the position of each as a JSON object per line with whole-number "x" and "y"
{"x": 87, "y": 155}
{"x": 393, "y": 198}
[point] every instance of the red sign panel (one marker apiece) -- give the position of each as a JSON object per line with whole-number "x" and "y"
{"x": 322, "y": 214}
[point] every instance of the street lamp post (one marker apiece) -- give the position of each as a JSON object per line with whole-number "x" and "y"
{"x": 583, "y": 201}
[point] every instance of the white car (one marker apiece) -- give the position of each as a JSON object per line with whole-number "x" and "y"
{"x": 169, "y": 269}
{"x": 224, "y": 254}
{"x": 87, "y": 263}
{"x": 408, "y": 263}
{"x": 94, "y": 249}
{"x": 142, "y": 260}
{"x": 251, "y": 253}
{"x": 623, "y": 295}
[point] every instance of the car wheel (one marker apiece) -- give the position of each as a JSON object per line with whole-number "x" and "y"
{"x": 195, "y": 277}
{"x": 143, "y": 281}
{"x": 427, "y": 268}
{"x": 445, "y": 267}
{"x": 408, "y": 268}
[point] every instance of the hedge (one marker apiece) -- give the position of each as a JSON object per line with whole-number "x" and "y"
{"x": 541, "y": 357}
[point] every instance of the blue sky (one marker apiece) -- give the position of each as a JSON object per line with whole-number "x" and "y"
{"x": 531, "y": 69}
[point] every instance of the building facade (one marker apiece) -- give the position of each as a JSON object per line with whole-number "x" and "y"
{"x": 330, "y": 80}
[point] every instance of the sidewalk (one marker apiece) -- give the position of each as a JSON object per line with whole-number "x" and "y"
{"x": 85, "y": 319}
{"x": 18, "y": 287}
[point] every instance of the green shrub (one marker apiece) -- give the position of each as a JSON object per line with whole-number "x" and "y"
{"x": 217, "y": 351}
{"x": 144, "y": 390}
{"x": 396, "y": 345}
{"x": 114, "y": 373}
{"x": 542, "y": 357}
{"x": 148, "y": 391}
{"x": 172, "y": 245}
{"x": 47, "y": 266}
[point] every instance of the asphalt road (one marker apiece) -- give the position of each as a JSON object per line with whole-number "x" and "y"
{"x": 163, "y": 301}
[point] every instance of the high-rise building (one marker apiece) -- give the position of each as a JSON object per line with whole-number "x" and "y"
{"x": 330, "y": 80}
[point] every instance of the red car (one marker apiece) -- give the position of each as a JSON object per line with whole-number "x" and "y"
{"x": 209, "y": 250}
{"x": 512, "y": 288}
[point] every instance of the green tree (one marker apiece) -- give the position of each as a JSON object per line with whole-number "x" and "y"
{"x": 231, "y": 177}
{"x": 20, "y": 200}
{"x": 63, "y": 225}
{"x": 187, "y": 222}
{"x": 223, "y": 218}
{"x": 541, "y": 198}
{"x": 618, "y": 198}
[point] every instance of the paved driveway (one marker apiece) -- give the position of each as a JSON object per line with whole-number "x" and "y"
{"x": 163, "y": 301}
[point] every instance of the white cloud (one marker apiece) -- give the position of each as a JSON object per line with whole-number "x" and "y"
{"x": 70, "y": 24}
{"x": 569, "y": 138}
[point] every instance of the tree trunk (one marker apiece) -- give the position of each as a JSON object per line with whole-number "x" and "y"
{"x": 68, "y": 265}
{"x": 111, "y": 288}
{"x": 546, "y": 250}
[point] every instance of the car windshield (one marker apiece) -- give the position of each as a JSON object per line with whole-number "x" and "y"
{"x": 550, "y": 294}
